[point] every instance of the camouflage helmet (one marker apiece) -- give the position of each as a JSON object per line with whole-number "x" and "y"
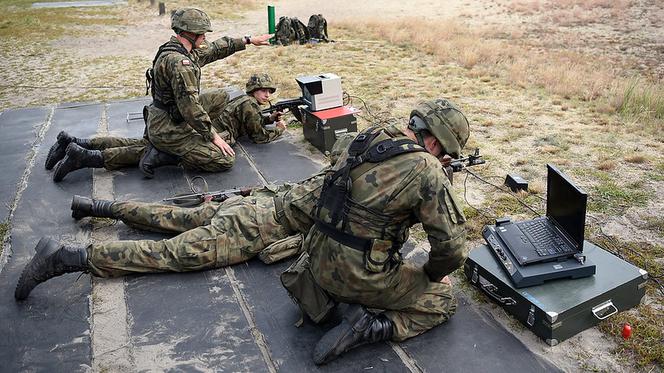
{"x": 260, "y": 81}
{"x": 444, "y": 121}
{"x": 191, "y": 20}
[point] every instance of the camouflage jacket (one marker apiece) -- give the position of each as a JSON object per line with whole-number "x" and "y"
{"x": 386, "y": 199}
{"x": 177, "y": 77}
{"x": 242, "y": 116}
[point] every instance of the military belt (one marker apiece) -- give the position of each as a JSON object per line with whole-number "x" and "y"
{"x": 357, "y": 243}
{"x": 172, "y": 110}
{"x": 280, "y": 214}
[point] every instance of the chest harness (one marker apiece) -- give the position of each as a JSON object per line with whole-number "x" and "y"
{"x": 156, "y": 90}
{"x": 335, "y": 194}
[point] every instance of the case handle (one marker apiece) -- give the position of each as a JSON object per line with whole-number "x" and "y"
{"x": 604, "y": 310}
{"x": 490, "y": 290}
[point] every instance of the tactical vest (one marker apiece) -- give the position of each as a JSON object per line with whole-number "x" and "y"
{"x": 335, "y": 194}
{"x": 160, "y": 94}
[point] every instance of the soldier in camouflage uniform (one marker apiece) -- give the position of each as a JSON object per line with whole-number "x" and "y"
{"x": 112, "y": 152}
{"x": 179, "y": 129}
{"x": 210, "y": 236}
{"x": 178, "y": 126}
{"x": 242, "y": 117}
{"x": 382, "y": 185}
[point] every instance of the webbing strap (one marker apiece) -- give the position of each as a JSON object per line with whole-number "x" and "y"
{"x": 357, "y": 243}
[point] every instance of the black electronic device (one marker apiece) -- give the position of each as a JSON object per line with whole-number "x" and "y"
{"x": 556, "y": 236}
{"x": 538, "y": 273}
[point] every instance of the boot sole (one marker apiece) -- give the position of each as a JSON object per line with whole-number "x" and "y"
{"x": 324, "y": 355}
{"x": 50, "y": 162}
{"x": 75, "y": 207}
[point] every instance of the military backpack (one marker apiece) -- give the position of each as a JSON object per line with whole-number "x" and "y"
{"x": 317, "y": 26}
{"x": 290, "y": 30}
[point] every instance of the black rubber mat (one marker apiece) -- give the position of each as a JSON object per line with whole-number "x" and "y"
{"x": 237, "y": 319}
{"x": 50, "y": 330}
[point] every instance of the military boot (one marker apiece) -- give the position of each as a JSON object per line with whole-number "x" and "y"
{"x": 358, "y": 327}
{"x": 51, "y": 260}
{"x": 77, "y": 157}
{"x": 58, "y": 150}
{"x": 154, "y": 158}
{"x": 82, "y": 207}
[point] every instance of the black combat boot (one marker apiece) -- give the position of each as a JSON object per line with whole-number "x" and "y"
{"x": 358, "y": 327}
{"x": 82, "y": 207}
{"x": 153, "y": 158}
{"x": 51, "y": 260}
{"x": 58, "y": 150}
{"x": 77, "y": 157}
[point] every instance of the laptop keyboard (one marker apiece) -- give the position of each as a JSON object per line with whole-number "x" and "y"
{"x": 545, "y": 240}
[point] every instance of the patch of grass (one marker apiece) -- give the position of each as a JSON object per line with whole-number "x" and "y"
{"x": 635, "y": 158}
{"x": 655, "y": 223}
{"x": 647, "y": 324}
{"x": 609, "y": 196}
{"x": 4, "y": 229}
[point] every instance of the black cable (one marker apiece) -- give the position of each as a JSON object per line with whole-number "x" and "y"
{"x": 465, "y": 188}
{"x": 505, "y": 191}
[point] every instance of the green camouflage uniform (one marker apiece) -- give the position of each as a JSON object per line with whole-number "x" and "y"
{"x": 242, "y": 116}
{"x": 212, "y": 235}
{"x": 176, "y": 83}
{"x": 388, "y": 198}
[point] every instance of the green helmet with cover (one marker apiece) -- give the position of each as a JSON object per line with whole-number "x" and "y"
{"x": 260, "y": 81}
{"x": 191, "y": 20}
{"x": 443, "y": 119}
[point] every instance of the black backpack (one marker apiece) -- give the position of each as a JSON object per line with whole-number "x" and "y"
{"x": 291, "y": 30}
{"x": 318, "y": 28}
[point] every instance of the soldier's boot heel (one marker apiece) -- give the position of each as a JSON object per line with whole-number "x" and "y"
{"x": 51, "y": 260}
{"x": 82, "y": 207}
{"x": 58, "y": 150}
{"x": 357, "y": 328}
{"x": 154, "y": 158}
{"x": 76, "y": 158}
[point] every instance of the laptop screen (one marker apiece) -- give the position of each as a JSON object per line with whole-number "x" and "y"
{"x": 566, "y": 205}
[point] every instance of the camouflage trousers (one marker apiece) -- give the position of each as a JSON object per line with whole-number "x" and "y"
{"x": 412, "y": 310}
{"x": 180, "y": 139}
{"x": 119, "y": 152}
{"x": 212, "y": 235}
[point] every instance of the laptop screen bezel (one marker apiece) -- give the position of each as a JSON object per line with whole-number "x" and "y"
{"x": 569, "y": 227}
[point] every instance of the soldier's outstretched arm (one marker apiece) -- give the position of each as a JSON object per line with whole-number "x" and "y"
{"x": 220, "y": 48}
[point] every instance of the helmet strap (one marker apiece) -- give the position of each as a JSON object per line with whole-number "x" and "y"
{"x": 420, "y": 139}
{"x": 188, "y": 38}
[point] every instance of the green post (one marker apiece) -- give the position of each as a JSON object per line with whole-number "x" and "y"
{"x": 270, "y": 21}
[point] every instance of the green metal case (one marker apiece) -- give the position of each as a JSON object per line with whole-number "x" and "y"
{"x": 559, "y": 309}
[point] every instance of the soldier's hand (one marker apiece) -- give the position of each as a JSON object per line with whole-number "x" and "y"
{"x": 223, "y": 145}
{"x": 276, "y": 116}
{"x": 446, "y": 160}
{"x": 281, "y": 124}
{"x": 261, "y": 39}
{"x": 446, "y": 280}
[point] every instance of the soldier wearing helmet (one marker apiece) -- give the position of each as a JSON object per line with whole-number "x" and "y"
{"x": 387, "y": 180}
{"x": 242, "y": 115}
{"x": 178, "y": 126}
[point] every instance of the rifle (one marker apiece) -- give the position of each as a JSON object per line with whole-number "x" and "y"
{"x": 471, "y": 160}
{"x": 292, "y": 104}
{"x": 195, "y": 199}
{"x": 460, "y": 163}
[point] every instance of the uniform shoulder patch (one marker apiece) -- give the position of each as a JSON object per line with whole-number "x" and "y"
{"x": 186, "y": 62}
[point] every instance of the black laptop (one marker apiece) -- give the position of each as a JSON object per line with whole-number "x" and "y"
{"x": 556, "y": 236}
